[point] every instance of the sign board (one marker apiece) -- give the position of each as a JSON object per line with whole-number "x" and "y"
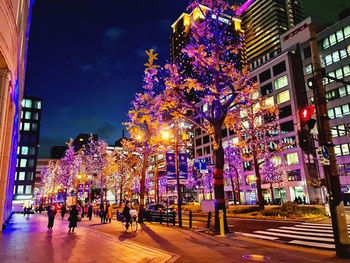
{"x": 325, "y": 152}
{"x": 208, "y": 205}
{"x": 170, "y": 165}
{"x": 87, "y": 188}
{"x": 200, "y": 164}
{"x": 183, "y": 166}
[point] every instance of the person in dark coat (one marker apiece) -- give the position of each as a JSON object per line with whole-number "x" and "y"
{"x": 51, "y": 214}
{"x": 126, "y": 214}
{"x": 73, "y": 218}
{"x": 103, "y": 211}
{"x": 89, "y": 213}
{"x": 63, "y": 211}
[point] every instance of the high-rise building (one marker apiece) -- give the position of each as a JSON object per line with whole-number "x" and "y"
{"x": 181, "y": 32}
{"x": 263, "y": 22}
{"x": 14, "y": 27}
{"x": 27, "y": 150}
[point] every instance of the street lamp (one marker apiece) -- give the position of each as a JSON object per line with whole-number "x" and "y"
{"x": 166, "y": 136}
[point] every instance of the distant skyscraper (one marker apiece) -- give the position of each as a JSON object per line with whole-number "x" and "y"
{"x": 27, "y": 149}
{"x": 263, "y": 22}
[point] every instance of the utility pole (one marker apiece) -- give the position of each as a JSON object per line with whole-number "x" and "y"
{"x": 340, "y": 230}
{"x": 179, "y": 197}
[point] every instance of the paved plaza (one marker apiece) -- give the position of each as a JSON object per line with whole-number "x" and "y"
{"x": 27, "y": 239}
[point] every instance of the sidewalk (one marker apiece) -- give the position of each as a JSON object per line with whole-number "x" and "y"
{"x": 28, "y": 240}
{"x": 194, "y": 246}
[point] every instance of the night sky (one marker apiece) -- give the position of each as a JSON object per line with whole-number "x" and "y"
{"x": 85, "y": 60}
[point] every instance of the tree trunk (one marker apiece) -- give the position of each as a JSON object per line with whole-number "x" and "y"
{"x": 260, "y": 198}
{"x": 233, "y": 190}
{"x": 120, "y": 195}
{"x": 218, "y": 174}
{"x": 142, "y": 190}
{"x": 272, "y": 196}
{"x": 101, "y": 190}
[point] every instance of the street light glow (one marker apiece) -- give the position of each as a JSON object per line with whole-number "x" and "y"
{"x": 165, "y": 135}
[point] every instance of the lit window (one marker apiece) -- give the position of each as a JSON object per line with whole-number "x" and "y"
{"x": 36, "y": 116}
{"x": 345, "y": 149}
{"x": 291, "y": 158}
{"x": 347, "y": 31}
{"x": 337, "y": 150}
{"x": 325, "y": 43}
{"x": 37, "y": 104}
{"x": 26, "y": 126}
{"x": 281, "y": 82}
{"x": 27, "y": 115}
{"x": 283, "y": 97}
{"x": 327, "y": 60}
{"x": 338, "y": 112}
{"x": 334, "y": 132}
{"x": 346, "y": 70}
{"x": 308, "y": 69}
{"x": 20, "y": 189}
{"x": 331, "y": 113}
{"x": 341, "y": 130}
{"x": 23, "y": 162}
{"x": 28, "y": 189}
{"x": 343, "y": 53}
{"x": 269, "y": 101}
{"x": 342, "y": 92}
{"x": 340, "y": 36}
{"x": 346, "y": 110}
{"x": 205, "y": 107}
{"x": 21, "y": 176}
{"x": 332, "y": 39}
{"x": 24, "y": 150}
{"x": 277, "y": 160}
{"x": 335, "y": 56}
{"x": 27, "y": 103}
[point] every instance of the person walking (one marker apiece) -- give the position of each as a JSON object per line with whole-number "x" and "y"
{"x": 108, "y": 213}
{"x": 103, "y": 213}
{"x": 126, "y": 214}
{"x": 73, "y": 218}
{"x": 63, "y": 211}
{"x": 89, "y": 213}
{"x": 51, "y": 214}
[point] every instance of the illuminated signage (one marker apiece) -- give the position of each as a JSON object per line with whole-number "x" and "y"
{"x": 294, "y": 32}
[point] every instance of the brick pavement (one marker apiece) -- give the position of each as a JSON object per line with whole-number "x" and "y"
{"x": 28, "y": 240}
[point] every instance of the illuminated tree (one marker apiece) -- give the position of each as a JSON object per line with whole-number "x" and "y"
{"x": 256, "y": 125}
{"x": 145, "y": 124}
{"x": 273, "y": 174}
{"x": 213, "y": 83}
{"x": 234, "y": 163}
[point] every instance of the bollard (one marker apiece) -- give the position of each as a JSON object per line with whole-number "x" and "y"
{"x": 222, "y": 226}
{"x": 190, "y": 219}
{"x": 160, "y": 217}
{"x": 174, "y": 215}
{"x": 118, "y": 216}
{"x": 209, "y": 219}
{"x": 167, "y": 217}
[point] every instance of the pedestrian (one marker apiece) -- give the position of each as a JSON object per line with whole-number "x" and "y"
{"x": 73, "y": 218}
{"x": 51, "y": 213}
{"x": 126, "y": 214}
{"x": 63, "y": 211}
{"x": 89, "y": 213}
{"x": 103, "y": 212}
{"x": 108, "y": 212}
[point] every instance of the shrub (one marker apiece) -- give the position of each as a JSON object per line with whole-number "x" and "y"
{"x": 242, "y": 209}
{"x": 291, "y": 209}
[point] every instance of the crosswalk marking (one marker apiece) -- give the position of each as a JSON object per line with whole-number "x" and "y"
{"x": 300, "y": 233}
{"x": 312, "y": 244}
{"x": 309, "y": 230}
{"x": 316, "y": 227}
{"x": 314, "y": 224}
{"x": 259, "y": 236}
{"x": 296, "y": 236}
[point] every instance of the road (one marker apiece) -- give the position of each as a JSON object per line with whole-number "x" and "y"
{"x": 313, "y": 235}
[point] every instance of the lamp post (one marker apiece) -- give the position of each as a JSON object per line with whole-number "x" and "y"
{"x": 166, "y": 136}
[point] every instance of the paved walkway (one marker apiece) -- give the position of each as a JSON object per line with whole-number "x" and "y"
{"x": 28, "y": 240}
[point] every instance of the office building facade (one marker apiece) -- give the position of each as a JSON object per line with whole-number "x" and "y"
{"x": 27, "y": 151}
{"x": 263, "y": 22}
